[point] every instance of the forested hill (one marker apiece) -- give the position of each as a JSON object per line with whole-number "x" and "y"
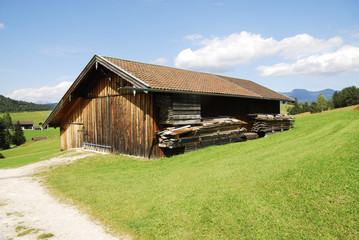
{"x": 11, "y": 105}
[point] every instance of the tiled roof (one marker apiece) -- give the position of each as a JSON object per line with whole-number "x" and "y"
{"x": 23, "y": 122}
{"x": 259, "y": 89}
{"x": 168, "y": 78}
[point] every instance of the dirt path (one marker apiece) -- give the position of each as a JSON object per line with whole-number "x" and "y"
{"x": 26, "y": 207}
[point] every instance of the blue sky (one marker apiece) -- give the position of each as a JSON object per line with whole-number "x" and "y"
{"x": 282, "y": 45}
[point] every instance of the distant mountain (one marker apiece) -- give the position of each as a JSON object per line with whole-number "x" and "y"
{"x": 304, "y": 95}
{"x": 11, "y": 105}
{"x": 51, "y": 105}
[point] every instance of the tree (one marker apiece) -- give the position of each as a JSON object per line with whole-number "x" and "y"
{"x": 18, "y": 137}
{"x": 347, "y": 97}
{"x": 313, "y": 108}
{"x": 4, "y": 139}
{"x": 322, "y": 103}
{"x": 295, "y": 109}
{"x": 7, "y": 120}
{"x": 305, "y": 107}
{"x": 350, "y": 96}
{"x": 336, "y": 100}
{"x": 330, "y": 104}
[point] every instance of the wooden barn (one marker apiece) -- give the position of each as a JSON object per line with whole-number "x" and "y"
{"x": 118, "y": 105}
{"x": 25, "y": 125}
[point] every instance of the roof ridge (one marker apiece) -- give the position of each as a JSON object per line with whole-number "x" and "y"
{"x": 163, "y": 66}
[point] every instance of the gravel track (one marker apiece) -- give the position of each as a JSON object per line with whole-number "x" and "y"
{"x": 27, "y": 206}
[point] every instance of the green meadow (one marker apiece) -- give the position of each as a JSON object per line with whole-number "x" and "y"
{"x": 32, "y": 151}
{"x": 36, "y": 117}
{"x": 300, "y": 184}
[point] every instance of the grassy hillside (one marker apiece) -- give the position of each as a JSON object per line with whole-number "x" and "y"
{"x": 32, "y": 151}
{"x": 350, "y": 108}
{"x": 301, "y": 184}
{"x": 284, "y": 108}
{"x": 36, "y": 117}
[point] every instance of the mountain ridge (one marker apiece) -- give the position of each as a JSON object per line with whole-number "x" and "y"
{"x": 12, "y": 105}
{"x": 304, "y": 95}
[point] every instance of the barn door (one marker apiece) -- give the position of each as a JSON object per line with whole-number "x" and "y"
{"x": 80, "y": 136}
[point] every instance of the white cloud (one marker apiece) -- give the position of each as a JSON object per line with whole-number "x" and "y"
{"x": 43, "y": 94}
{"x": 160, "y": 61}
{"x": 223, "y": 54}
{"x": 343, "y": 61}
{"x": 2, "y": 26}
{"x": 304, "y": 45}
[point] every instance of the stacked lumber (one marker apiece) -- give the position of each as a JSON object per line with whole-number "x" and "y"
{"x": 38, "y": 138}
{"x": 211, "y": 131}
{"x": 269, "y": 123}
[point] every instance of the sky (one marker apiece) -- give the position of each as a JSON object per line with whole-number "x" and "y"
{"x": 282, "y": 45}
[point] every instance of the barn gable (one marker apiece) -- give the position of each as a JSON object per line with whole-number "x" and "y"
{"x": 117, "y": 105}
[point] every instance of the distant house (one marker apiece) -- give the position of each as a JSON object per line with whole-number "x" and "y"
{"x": 24, "y": 124}
{"x": 118, "y": 105}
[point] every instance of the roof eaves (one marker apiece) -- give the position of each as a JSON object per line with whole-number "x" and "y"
{"x": 69, "y": 91}
{"x": 95, "y": 59}
{"x": 195, "y": 92}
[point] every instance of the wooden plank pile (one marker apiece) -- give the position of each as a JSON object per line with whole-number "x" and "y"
{"x": 269, "y": 123}
{"x": 38, "y": 138}
{"x": 211, "y": 131}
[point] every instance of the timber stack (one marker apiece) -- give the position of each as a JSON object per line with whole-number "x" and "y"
{"x": 211, "y": 131}
{"x": 270, "y": 123}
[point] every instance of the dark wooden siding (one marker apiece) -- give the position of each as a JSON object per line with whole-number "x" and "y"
{"x": 178, "y": 109}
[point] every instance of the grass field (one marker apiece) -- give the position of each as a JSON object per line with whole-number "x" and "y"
{"x": 36, "y": 117}
{"x": 301, "y": 184}
{"x": 284, "y": 108}
{"x": 350, "y": 108}
{"x": 32, "y": 151}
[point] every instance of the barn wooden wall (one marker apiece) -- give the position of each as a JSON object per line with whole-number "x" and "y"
{"x": 119, "y": 121}
{"x": 71, "y": 129}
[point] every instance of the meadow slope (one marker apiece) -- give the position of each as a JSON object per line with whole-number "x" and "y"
{"x": 32, "y": 151}
{"x": 298, "y": 184}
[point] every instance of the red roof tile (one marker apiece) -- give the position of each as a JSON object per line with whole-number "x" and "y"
{"x": 168, "y": 78}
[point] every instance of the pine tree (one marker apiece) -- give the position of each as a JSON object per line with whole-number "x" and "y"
{"x": 7, "y": 120}
{"x": 330, "y": 104}
{"x": 18, "y": 137}
{"x": 295, "y": 109}
{"x": 305, "y": 107}
{"x": 4, "y": 139}
{"x": 314, "y": 107}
